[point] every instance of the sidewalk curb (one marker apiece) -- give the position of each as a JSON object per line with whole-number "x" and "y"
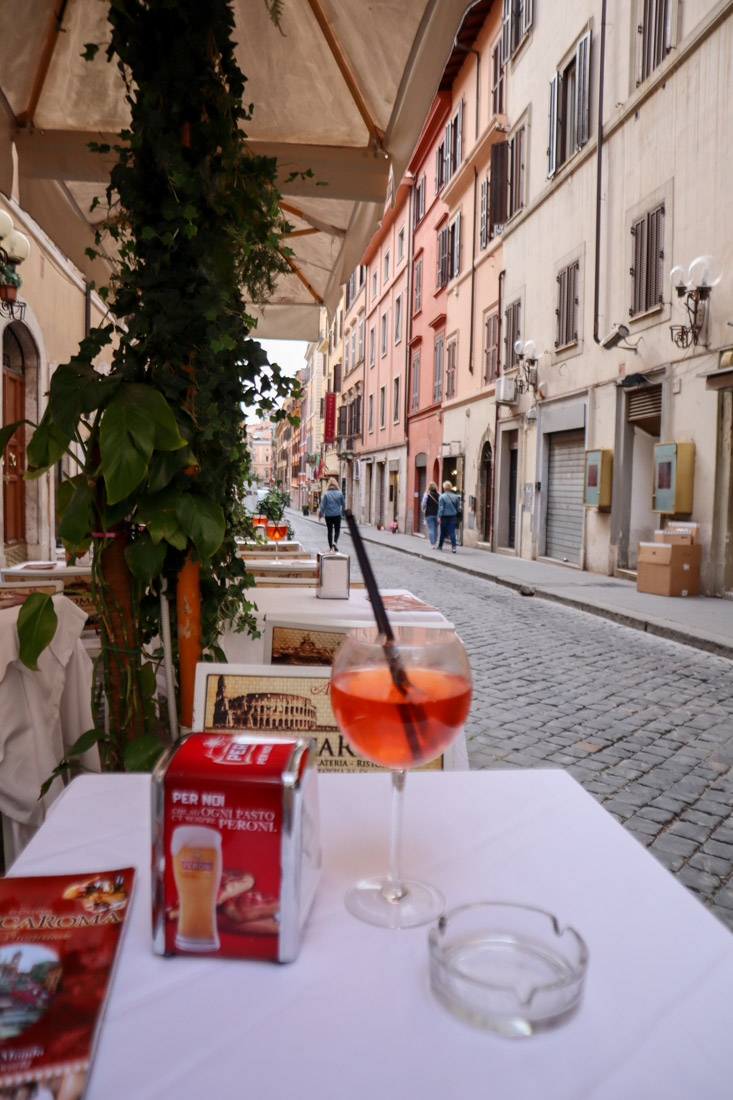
{"x": 624, "y": 618}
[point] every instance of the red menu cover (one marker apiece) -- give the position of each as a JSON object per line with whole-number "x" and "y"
{"x": 59, "y": 939}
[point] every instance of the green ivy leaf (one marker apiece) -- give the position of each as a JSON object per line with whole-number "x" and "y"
{"x": 203, "y": 521}
{"x": 144, "y": 558}
{"x": 75, "y": 523}
{"x": 141, "y": 754}
{"x": 37, "y": 622}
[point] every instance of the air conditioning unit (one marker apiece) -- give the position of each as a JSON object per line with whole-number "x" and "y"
{"x": 506, "y": 390}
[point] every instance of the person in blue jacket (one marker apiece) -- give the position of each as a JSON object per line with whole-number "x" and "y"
{"x": 332, "y": 506}
{"x": 448, "y": 505}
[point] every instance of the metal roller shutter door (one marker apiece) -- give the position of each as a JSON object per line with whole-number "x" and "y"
{"x": 564, "y": 532}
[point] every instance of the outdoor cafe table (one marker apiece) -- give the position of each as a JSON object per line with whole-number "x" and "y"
{"x": 354, "y": 1016}
{"x": 44, "y": 570}
{"x": 304, "y": 607}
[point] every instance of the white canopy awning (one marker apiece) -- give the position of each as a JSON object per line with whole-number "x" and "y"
{"x": 344, "y": 91}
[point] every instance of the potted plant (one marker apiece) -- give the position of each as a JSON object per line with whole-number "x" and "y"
{"x": 392, "y": 527}
{"x": 9, "y": 281}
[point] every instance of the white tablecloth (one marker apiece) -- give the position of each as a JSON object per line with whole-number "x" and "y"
{"x": 43, "y": 713}
{"x": 354, "y": 1017}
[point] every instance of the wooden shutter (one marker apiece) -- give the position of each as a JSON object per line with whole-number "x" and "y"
{"x": 573, "y": 278}
{"x": 561, "y": 311}
{"x": 484, "y": 234}
{"x": 337, "y": 378}
{"x": 655, "y": 261}
{"x": 519, "y": 151}
{"x": 638, "y": 270}
{"x": 552, "y": 137}
{"x": 456, "y": 257}
{"x": 438, "y": 159}
{"x": 582, "y": 91}
{"x": 527, "y": 16}
{"x": 506, "y": 30}
{"x": 458, "y": 144}
{"x": 498, "y": 185}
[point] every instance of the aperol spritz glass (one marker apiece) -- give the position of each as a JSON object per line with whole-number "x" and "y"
{"x": 399, "y": 704}
{"x": 276, "y": 531}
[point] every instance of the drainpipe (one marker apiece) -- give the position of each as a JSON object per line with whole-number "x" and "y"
{"x": 599, "y": 175}
{"x": 408, "y": 337}
{"x": 502, "y": 275}
{"x": 473, "y": 275}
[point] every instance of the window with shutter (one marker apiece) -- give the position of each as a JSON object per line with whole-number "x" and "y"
{"x": 438, "y": 369}
{"x": 647, "y": 271}
{"x": 416, "y": 381}
{"x": 569, "y": 107}
{"x": 346, "y": 354}
{"x": 567, "y": 306}
{"x": 655, "y": 35}
{"x": 515, "y": 190}
{"x": 512, "y": 317}
{"x": 361, "y": 339}
{"x": 491, "y": 347}
{"x": 372, "y": 344}
{"x": 497, "y": 80}
{"x": 398, "y": 319}
{"x": 395, "y": 400}
{"x": 444, "y": 256}
{"x": 455, "y": 248}
{"x": 382, "y": 395}
{"x": 417, "y": 286}
{"x": 383, "y": 343}
{"x": 451, "y": 355}
{"x": 484, "y": 230}
{"x": 357, "y": 416}
{"x": 498, "y": 187}
{"x": 371, "y": 412}
{"x": 350, "y": 419}
{"x": 516, "y": 20}
{"x": 337, "y": 378}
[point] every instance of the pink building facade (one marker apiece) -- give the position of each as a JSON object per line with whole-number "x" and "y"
{"x": 427, "y": 318}
{"x": 383, "y": 447}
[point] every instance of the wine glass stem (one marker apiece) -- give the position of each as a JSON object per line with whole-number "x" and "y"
{"x": 394, "y": 889}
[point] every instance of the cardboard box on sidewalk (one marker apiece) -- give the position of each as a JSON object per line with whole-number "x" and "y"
{"x": 664, "y": 569}
{"x": 678, "y": 526}
{"x": 674, "y": 538}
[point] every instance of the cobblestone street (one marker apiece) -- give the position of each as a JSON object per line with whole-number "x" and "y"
{"x": 643, "y": 723}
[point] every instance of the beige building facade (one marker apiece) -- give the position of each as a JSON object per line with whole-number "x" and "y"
{"x": 593, "y": 231}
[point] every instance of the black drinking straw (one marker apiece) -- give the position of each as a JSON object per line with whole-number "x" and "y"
{"x": 391, "y": 652}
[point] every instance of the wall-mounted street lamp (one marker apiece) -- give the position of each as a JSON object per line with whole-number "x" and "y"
{"x": 14, "y": 248}
{"x": 526, "y": 353}
{"x": 693, "y": 286}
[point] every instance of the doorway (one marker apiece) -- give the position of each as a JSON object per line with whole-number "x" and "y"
{"x": 486, "y": 489}
{"x": 14, "y": 396}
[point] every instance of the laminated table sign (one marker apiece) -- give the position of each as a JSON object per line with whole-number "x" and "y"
{"x": 333, "y": 576}
{"x": 236, "y": 849}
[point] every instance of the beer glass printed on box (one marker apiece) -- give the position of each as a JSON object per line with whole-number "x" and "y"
{"x": 196, "y": 856}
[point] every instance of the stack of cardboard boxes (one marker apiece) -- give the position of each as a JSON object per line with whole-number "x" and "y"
{"x": 670, "y": 566}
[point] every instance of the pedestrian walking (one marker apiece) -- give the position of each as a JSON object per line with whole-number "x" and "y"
{"x": 429, "y": 506}
{"x": 449, "y": 504}
{"x": 332, "y": 506}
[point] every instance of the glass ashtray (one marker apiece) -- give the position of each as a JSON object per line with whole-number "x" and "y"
{"x": 510, "y": 969}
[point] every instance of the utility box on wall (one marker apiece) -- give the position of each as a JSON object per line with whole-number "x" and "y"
{"x": 598, "y": 479}
{"x": 674, "y": 475}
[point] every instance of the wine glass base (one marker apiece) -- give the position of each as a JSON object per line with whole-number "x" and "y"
{"x": 373, "y": 900}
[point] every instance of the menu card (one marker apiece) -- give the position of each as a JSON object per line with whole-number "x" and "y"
{"x": 59, "y": 940}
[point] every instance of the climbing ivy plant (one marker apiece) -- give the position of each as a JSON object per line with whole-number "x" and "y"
{"x": 157, "y": 441}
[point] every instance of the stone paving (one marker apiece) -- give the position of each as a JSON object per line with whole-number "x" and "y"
{"x": 643, "y": 723}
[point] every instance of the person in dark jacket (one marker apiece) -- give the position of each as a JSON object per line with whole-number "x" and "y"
{"x": 332, "y": 505}
{"x": 448, "y": 505}
{"x": 430, "y": 508}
